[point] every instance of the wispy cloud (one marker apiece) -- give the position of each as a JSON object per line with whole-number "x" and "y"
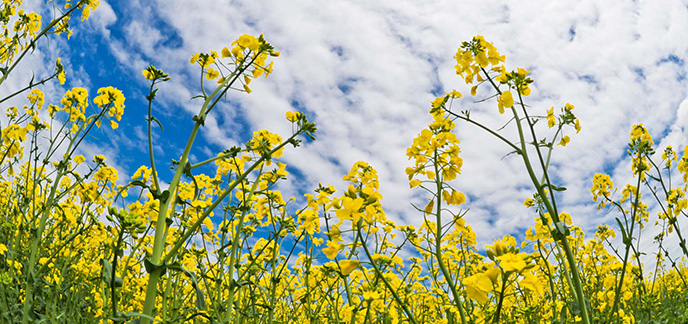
{"x": 365, "y": 72}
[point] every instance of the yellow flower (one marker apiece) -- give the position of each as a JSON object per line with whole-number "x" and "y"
{"x": 348, "y": 266}
{"x": 211, "y": 74}
{"x": 60, "y": 72}
{"x": 292, "y": 116}
{"x": 194, "y": 58}
{"x": 430, "y": 174}
{"x": 454, "y": 94}
{"x": 208, "y": 223}
{"x": 438, "y": 102}
{"x": 79, "y": 159}
{"x": 529, "y": 202}
{"x": 525, "y": 91}
{"x": 429, "y": 207}
{"x": 474, "y": 90}
{"x": 351, "y": 209}
{"x": 482, "y": 60}
{"x": 506, "y": 100}
{"x": 148, "y": 74}
{"x": 37, "y": 98}
{"x": 502, "y": 78}
{"x": 332, "y": 249}
{"x": 225, "y": 52}
{"x": 453, "y": 198}
{"x": 493, "y": 273}
{"x": 564, "y": 140}
{"x": 310, "y": 221}
{"x": 110, "y": 95}
{"x": 477, "y": 287}
{"x": 371, "y": 295}
{"x": 248, "y": 41}
{"x": 550, "y": 118}
{"x": 531, "y": 283}
{"x": 237, "y": 52}
{"x": 511, "y": 262}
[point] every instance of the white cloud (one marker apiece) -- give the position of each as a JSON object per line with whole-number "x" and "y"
{"x": 365, "y": 72}
{"x": 102, "y": 18}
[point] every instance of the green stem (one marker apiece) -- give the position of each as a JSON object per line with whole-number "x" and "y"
{"x": 235, "y": 246}
{"x": 672, "y": 219}
{"x": 30, "y": 280}
{"x": 576, "y": 289}
{"x": 113, "y": 275}
{"x": 438, "y": 243}
{"x": 505, "y": 277}
{"x": 628, "y": 249}
{"x": 32, "y": 44}
{"x": 159, "y": 240}
{"x": 209, "y": 209}
{"x": 29, "y": 87}
{"x": 379, "y": 273}
{"x": 552, "y": 208}
{"x": 150, "y": 138}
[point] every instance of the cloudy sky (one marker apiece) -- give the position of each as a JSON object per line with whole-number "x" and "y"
{"x": 366, "y": 71}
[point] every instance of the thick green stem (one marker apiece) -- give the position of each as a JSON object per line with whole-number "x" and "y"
{"x": 551, "y": 207}
{"x": 37, "y": 238}
{"x": 159, "y": 240}
{"x": 158, "y": 243}
{"x": 577, "y": 289}
{"x": 438, "y": 243}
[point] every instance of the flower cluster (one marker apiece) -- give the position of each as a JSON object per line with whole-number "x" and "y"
{"x": 601, "y": 186}
{"x": 228, "y": 247}
{"x": 248, "y": 55}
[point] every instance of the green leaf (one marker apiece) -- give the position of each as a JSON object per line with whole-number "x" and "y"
{"x": 107, "y": 274}
{"x": 199, "y": 119}
{"x": 554, "y": 188}
{"x": 157, "y": 122}
{"x": 164, "y": 196}
{"x": 135, "y": 314}
{"x": 239, "y": 283}
{"x": 200, "y": 300}
{"x": 107, "y": 269}
{"x": 626, "y": 239}
{"x": 150, "y": 266}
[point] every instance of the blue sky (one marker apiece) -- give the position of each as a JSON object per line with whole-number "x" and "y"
{"x": 366, "y": 71}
